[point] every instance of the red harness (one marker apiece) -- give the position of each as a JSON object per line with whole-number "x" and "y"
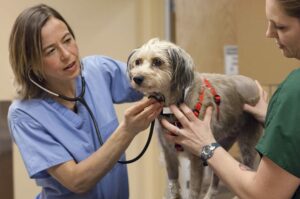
{"x": 198, "y": 106}
{"x": 216, "y": 97}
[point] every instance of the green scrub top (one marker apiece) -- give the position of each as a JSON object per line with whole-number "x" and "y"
{"x": 281, "y": 139}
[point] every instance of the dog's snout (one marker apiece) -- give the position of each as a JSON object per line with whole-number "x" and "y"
{"x": 138, "y": 80}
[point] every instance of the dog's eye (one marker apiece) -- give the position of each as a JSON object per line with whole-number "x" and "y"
{"x": 138, "y": 62}
{"x": 156, "y": 62}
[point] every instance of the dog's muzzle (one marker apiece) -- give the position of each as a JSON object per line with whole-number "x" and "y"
{"x": 138, "y": 80}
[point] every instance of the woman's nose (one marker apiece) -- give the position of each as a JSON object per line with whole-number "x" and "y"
{"x": 64, "y": 52}
{"x": 270, "y": 33}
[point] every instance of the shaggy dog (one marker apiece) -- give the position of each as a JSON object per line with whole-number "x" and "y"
{"x": 165, "y": 71}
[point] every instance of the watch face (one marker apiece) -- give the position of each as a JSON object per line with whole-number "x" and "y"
{"x": 206, "y": 149}
{"x": 207, "y": 152}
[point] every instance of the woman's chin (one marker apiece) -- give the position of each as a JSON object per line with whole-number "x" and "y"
{"x": 287, "y": 54}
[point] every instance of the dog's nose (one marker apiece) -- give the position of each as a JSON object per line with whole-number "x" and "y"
{"x": 138, "y": 80}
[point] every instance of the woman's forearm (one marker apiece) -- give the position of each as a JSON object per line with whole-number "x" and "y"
{"x": 238, "y": 177}
{"x": 269, "y": 181}
{"x": 81, "y": 177}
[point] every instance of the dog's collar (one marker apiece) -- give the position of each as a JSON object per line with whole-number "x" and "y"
{"x": 158, "y": 96}
{"x": 166, "y": 110}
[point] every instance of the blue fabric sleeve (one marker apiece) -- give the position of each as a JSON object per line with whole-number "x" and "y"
{"x": 114, "y": 73}
{"x": 39, "y": 150}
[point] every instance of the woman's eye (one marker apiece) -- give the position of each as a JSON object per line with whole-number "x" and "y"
{"x": 138, "y": 62}
{"x": 278, "y": 27}
{"x": 68, "y": 40}
{"x": 49, "y": 51}
{"x": 156, "y": 62}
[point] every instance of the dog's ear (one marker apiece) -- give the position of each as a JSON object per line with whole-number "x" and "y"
{"x": 129, "y": 62}
{"x": 183, "y": 68}
{"x": 153, "y": 41}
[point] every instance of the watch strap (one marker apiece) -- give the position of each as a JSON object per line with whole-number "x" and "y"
{"x": 208, "y": 151}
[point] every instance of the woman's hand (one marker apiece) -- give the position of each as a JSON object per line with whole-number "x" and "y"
{"x": 194, "y": 133}
{"x": 139, "y": 116}
{"x": 259, "y": 111}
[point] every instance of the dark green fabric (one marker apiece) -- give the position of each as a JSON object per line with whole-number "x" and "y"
{"x": 281, "y": 139}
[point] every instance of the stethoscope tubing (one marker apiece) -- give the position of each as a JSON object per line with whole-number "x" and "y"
{"x": 80, "y": 98}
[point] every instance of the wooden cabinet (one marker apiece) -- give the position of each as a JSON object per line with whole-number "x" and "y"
{"x": 6, "y": 166}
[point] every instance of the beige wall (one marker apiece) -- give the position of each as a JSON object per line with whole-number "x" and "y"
{"x": 259, "y": 56}
{"x": 203, "y": 28}
{"x": 109, "y": 27}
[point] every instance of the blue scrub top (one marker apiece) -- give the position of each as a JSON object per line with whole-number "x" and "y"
{"x": 47, "y": 133}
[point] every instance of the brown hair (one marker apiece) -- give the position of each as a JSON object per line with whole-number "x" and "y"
{"x": 291, "y": 7}
{"x": 25, "y": 48}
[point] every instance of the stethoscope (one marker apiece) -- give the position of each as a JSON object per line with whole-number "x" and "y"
{"x": 80, "y": 98}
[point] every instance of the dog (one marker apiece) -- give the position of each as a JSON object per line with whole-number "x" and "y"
{"x": 163, "y": 70}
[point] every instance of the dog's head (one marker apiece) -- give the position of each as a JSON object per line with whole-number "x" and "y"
{"x": 160, "y": 67}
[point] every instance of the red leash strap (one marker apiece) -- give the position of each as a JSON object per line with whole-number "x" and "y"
{"x": 198, "y": 106}
{"x": 217, "y": 99}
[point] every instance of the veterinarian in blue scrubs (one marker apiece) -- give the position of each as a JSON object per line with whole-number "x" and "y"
{"x": 278, "y": 173}
{"x": 56, "y": 137}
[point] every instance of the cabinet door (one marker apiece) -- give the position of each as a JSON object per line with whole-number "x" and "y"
{"x": 203, "y": 28}
{"x": 6, "y": 166}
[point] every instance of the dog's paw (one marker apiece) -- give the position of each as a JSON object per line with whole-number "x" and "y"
{"x": 173, "y": 190}
{"x": 211, "y": 194}
{"x": 193, "y": 195}
{"x": 209, "y": 197}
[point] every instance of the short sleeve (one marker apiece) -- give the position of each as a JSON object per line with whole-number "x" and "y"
{"x": 113, "y": 74}
{"x": 39, "y": 150}
{"x": 281, "y": 138}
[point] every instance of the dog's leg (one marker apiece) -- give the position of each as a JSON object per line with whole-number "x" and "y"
{"x": 173, "y": 189}
{"x": 172, "y": 166}
{"x": 213, "y": 187}
{"x": 214, "y": 183}
{"x": 196, "y": 177}
{"x": 247, "y": 141}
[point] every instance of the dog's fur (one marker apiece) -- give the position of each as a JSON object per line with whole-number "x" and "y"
{"x": 162, "y": 68}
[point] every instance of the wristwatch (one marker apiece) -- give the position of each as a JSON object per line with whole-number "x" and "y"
{"x": 208, "y": 151}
